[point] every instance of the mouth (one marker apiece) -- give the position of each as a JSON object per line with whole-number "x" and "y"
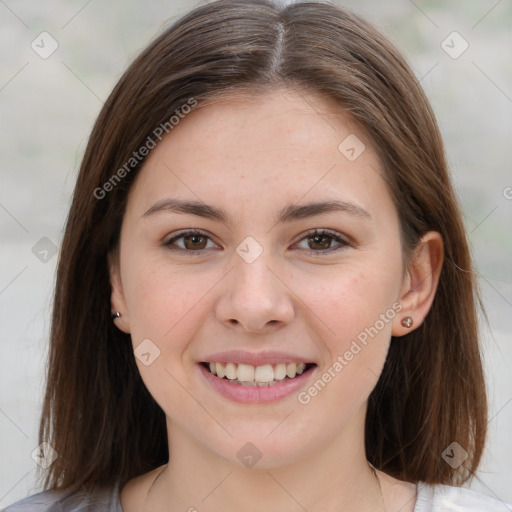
{"x": 247, "y": 383}
{"x": 264, "y": 375}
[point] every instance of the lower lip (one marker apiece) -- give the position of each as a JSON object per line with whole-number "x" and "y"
{"x": 256, "y": 394}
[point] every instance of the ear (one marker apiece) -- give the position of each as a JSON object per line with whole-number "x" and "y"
{"x": 117, "y": 301}
{"x": 420, "y": 283}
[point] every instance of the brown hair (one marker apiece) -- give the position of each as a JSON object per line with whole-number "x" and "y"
{"x": 97, "y": 413}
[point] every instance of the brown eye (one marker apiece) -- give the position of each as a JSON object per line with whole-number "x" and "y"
{"x": 193, "y": 241}
{"x": 320, "y": 242}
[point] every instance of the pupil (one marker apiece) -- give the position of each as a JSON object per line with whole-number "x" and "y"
{"x": 194, "y": 239}
{"x": 320, "y": 237}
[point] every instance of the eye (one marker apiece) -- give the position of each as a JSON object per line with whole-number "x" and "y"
{"x": 322, "y": 240}
{"x": 196, "y": 241}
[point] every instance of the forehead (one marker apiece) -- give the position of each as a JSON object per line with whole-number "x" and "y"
{"x": 281, "y": 145}
{"x": 274, "y": 125}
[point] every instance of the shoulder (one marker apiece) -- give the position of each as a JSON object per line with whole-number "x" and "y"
{"x": 446, "y": 498}
{"x": 98, "y": 500}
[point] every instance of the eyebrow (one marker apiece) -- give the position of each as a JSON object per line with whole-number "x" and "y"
{"x": 290, "y": 213}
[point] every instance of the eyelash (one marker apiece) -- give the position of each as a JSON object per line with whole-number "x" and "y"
{"x": 310, "y": 234}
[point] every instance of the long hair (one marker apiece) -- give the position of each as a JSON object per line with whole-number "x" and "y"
{"x": 97, "y": 413}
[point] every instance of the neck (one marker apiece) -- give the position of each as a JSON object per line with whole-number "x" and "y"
{"x": 336, "y": 477}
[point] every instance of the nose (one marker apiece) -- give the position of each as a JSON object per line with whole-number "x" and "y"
{"x": 255, "y": 296}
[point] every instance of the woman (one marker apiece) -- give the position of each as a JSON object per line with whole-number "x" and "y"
{"x": 265, "y": 298}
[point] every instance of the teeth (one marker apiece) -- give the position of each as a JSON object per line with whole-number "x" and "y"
{"x": 231, "y": 371}
{"x": 244, "y": 372}
{"x": 291, "y": 370}
{"x": 263, "y": 375}
{"x": 221, "y": 372}
{"x": 280, "y": 371}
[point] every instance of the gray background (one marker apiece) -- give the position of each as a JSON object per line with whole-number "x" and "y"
{"x": 48, "y": 106}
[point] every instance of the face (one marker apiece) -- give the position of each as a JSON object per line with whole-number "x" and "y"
{"x": 295, "y": 303}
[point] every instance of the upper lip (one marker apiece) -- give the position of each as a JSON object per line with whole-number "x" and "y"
{"x": 254, "y": 358}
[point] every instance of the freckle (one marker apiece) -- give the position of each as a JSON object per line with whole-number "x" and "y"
{"x": 357, "y": 278}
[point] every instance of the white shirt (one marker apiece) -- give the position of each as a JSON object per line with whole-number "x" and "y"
{"x": 437, "y": 498}
{"x": 444, "y": 498}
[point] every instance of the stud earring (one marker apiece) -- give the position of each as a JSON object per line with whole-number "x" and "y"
{"x": 116, "y": 315}
{"x": 407, "y": 321}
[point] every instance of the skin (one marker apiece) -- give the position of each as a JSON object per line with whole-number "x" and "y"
{"x": 252, "y": 155}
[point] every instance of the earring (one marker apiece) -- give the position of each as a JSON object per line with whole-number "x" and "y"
{"x": 407, "y": 321}
{"x": 116, "y": 315}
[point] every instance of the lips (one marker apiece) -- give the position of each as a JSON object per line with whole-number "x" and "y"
{"x": 248, "y": 377}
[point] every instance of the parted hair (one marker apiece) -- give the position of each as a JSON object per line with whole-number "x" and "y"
{"x": 97, "y": 413}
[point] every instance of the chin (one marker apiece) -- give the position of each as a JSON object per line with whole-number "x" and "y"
{"x": 261, "y": 448}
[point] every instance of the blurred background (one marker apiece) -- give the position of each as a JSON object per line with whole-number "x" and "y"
{"x": 59, "y": 62}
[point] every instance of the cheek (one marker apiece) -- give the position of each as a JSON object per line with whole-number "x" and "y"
{"x": 163, "y": 302}
{"x": 356, "y": 307}
{"x": 165, "y": 307}
{"x": 357, "y": 340}
{"x": 350, "y": 300}
{"x": 162, "y": 299}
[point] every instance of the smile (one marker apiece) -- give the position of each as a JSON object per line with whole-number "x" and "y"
{"x": 247, "y": 383}
{"x": 249, "y": 375}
